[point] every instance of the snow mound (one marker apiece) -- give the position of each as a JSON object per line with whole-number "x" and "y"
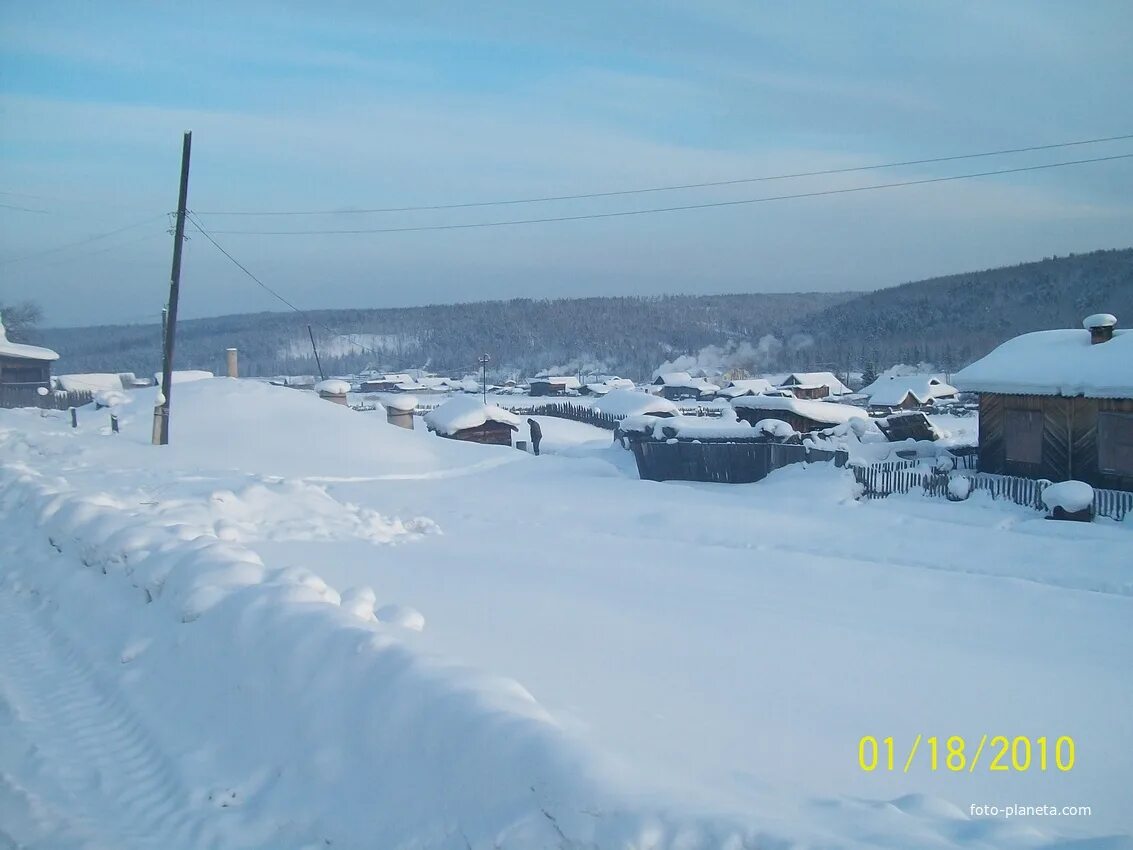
{"x": 775, "y": 428}
{"x": 333, "y": 386}
{"x": 401, "y": 615}
{"x": 1071, "y": 496}
{"x": 626, "y": 402}
{"x": 359, "y": 601}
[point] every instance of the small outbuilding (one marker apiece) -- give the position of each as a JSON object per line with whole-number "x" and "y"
{"x": 745, "y": 386}
{"x": 552, "y": 386}
{"x": 24, "y": 366}
{"x": 399, "y": 410}
{"x": 467, "y": 418}
{"x": 815, "y": 385}
{"x": 333, "y": 389}
{"x": 1058, "y": 405}
{"x": 804, "y": 415}
{"x": 907, "y": 392}
{"x": 680, "y": 386}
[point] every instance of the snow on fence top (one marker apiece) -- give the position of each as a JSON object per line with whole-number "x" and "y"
{"x": 819, "y": 411}
{"x": 466, "y": 412}
{"x": 184, "y": 376}
{"x": 1058, "y": 362}
{"x": 333, "y": 386}
{"x": 891, "y": 390}
{"x": 813, "y": 379}
{"x": 24, "y": 352}
{"x": 1071, "y": 496}
{"x": 621, "y": 403}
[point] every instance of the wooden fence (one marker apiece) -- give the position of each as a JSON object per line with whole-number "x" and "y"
{"x": 879, "y": 480}
{"x": 724, "y": 463}
{"x": 55, "y": 400}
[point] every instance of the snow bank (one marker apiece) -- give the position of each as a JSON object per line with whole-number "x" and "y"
{"x": 1071, "y": 496}
{"x": 185, "y": 376}
{"x": 820, "y": 411}
{"x": 1058, "y": 362}
{"x": 466, "y": 412}
{"x": 627, "y": 402}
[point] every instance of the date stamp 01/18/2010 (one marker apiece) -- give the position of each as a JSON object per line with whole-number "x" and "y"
{"x": 959, "y": 754}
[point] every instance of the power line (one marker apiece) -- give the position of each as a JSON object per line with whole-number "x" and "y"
{"x": 675, "y": 187}
{"x": 94, "y": 238}
{"x": 708, "y": 205}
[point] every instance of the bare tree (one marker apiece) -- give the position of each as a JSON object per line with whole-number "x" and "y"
{"x": 20, "y": 320}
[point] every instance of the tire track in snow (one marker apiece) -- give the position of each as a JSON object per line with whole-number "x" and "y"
{"x": 110, "y": 778}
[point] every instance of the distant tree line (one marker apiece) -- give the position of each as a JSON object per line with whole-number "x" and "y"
{"x": 948, "y": 321}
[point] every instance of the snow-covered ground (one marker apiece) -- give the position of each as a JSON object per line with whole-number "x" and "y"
{"x": 297, "y": 626}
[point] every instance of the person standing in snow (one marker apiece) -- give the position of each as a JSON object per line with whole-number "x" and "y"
{"x": 536, "y": 435}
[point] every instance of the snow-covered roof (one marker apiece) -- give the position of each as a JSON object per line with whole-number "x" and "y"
{"x": 891, "y": 391}
{"x": 466, "y": 412}
{"x": 92, "y": 381}
{"x": 333, "y": 386}
{"x": 812, "y": 379}
{"x": 684, "y": 379}
{"x": 1058, "y": 362}
{"x": 569, "y": 381}
{"x": 23, "y": 352}
{"x": 753, "y": 386}
{"x": 623, "y": 402}
{"x": 818, "y": 411}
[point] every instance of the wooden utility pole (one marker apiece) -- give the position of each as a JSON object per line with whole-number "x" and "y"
{"x": 161, "y": 411}
{"x": 315, "y": 349}
{"x": 483, "y": 360}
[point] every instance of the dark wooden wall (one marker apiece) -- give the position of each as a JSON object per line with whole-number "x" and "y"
{"x": 724, "y": 463}
{"x": 1070, "y": 438}
{"x": 491, "y": 433}
{"x": 754, "y": 415}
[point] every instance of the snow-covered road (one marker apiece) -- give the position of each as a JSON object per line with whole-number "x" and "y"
{"x": 686, "y": 665}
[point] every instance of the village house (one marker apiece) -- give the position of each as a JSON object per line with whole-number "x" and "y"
{"x": 815, "y": 385}
{"x": 1058, "y": 404}
{"x": 467, "y": 418}
{"x": 746, "y": 386}
{"x": 804, "y": 415}
{"x": 680, "y": 386}
{"x": 24, "y": 366}
{"x": 551, "y": 386}
{"x": 906, "y": 392}
{"x": 385, "y": 383}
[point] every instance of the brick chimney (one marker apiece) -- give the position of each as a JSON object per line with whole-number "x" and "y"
{"x": 1100, "y": 326}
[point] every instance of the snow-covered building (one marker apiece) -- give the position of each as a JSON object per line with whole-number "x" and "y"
{"x": 907, "y": 392}
{"x": 549, "y": 385}
{"x": 804, "y": 415}
{"x": 467, "y": 418}
{"x": 676, "y": 386}
{"x": 385, "y": 383}
{"x": 815, "y": 385}
{"x": 24, "y": 365}
{"x": 1058, "y": 404}
{"x": 746, "y": 386}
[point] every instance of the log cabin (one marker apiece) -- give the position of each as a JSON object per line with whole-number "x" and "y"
{"x": 1058, "y": 405}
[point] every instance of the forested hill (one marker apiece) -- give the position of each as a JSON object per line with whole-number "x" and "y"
{"x": 949, "y": 321}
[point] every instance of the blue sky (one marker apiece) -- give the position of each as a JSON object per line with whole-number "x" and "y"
{"x": 361, "y": 105}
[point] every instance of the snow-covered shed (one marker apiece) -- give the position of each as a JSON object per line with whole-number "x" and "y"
{"x": 24, "y": 365}
{"x": 560, "y": 385}
{"x": 815, "y": 385}
{"x": 1058, "y": 404}
{"x": 804, "y": 415}
{"x": 907, "y": 392}
{"x": 467, "y": 418}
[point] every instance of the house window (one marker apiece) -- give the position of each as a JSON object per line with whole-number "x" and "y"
{"x": 1023, "y": 435}
{"x": 1115, "y": 443}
